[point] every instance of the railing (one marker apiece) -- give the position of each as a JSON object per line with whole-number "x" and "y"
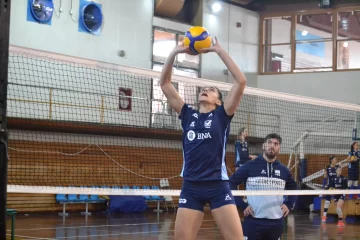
{"x": 162, "y": 119}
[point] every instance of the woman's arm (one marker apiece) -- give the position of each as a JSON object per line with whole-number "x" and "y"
{"x": 173, "y": 97}
{"x": 236, "y": 92}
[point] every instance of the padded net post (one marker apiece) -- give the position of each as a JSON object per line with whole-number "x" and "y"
{"x": 4, "y": 54}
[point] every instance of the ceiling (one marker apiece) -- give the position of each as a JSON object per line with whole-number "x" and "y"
{"x": 289, "y": 5}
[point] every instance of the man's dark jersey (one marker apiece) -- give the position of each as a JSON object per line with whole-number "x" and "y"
{"x": 204, "y": 143}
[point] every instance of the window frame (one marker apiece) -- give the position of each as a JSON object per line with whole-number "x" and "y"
{"x": 294, "y": 15}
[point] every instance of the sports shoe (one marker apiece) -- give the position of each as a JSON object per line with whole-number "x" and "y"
{"x": 341, "y": 224}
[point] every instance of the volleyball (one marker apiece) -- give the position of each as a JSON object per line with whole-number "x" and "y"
{"x": 352, "y": 158}
{"x": 197, "y": 38}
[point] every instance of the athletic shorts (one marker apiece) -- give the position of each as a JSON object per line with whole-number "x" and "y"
{"x": 195, "y": 194}
{"x": 353, "y": 175}
{"x": 263, "y": 229}
{"x": 339, "y": 196}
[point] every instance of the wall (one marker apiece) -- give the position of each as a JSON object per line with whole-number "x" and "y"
{"x": 335, "y": 86}
{"x": 127, "y": 26}
{"x": 318, "y": 85}
{"x": 171, "y": 25}
{"x": 240, "y": 43}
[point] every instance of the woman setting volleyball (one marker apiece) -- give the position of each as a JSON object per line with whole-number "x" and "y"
{"x": 205, "y": 134}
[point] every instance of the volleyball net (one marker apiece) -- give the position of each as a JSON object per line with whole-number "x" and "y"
{"x": 84, "y": 127}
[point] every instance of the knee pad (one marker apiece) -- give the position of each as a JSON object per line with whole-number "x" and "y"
{"x": 327, "y": 204}
{"x": 356, "y": 183}
{"x": 350, "y": 183}
{"x": 338, "y": 211}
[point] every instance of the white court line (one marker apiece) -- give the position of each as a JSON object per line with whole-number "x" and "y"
{"x": 95, "y": 226}
{"x": 119, "y": 234}
{"x": 102, "y": 235}
{"x": 26, "y": 237}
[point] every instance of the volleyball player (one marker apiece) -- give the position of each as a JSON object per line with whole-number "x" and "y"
{"x": 353, "y": 167}
{"x": 242, "y": 148}
{"x": 264, "y": 215}
{"x": 329, "y": 178}
{"x": 205, "y": 134}
{"x": 339, "y": 182}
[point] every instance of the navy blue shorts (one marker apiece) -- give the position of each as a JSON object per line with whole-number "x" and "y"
{"x": 263, "y": 229}
{"x": 339, "y": 196}
{"x": 194, "y": 195}
{"x": 353, "y": 175}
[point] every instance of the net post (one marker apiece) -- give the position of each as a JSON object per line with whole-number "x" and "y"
{"x": 4, "y": 56}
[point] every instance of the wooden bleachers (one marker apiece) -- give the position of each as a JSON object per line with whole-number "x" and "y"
{"x": 93, "y": 168}
{"x": 88, "y": 169}
{"x": 351, "y": 207}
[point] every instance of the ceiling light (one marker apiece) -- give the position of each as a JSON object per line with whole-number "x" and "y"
{"x": 216, "y": 7}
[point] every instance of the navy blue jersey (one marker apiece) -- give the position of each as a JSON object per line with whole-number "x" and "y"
{"x": 259, "y": 174}
{"x": 353, "y": 167}
{"x": 204, "y": 143}
{"x": 340, "y": 182}
{"x": 241, "y": 153}
{"x": 331, "y": 174}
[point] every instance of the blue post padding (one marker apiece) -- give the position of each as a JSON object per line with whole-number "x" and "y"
{"x": 97, "y": 15}
{"x": 303, "y": 168}
{"x": 317, "y": 203}
{"x": 127, "y": 204}
{"x": 31, "y": 17}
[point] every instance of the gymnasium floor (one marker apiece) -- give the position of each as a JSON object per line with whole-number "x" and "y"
{"x": 150, "y": 226}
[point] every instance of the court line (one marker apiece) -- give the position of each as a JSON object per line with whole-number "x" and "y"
{"x": 115, "y": 234}
{"x": 95, "y": 226}
{"x": 27, "y": 237}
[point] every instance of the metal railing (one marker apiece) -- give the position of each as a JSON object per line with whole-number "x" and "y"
{"x": 161, "y": 119}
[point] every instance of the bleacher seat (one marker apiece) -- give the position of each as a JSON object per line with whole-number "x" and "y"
{"x": 147, "y": 188}
{"x": 94, "y": 197}
{"x": 156, "y": 197}
{"x": 72, "y": 197}
{"x": 83, "y": 197}
{"x": 61, "y": 197}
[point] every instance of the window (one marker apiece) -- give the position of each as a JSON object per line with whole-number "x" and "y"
{"x": 309, "y": 41}
{"x": 348, "y": 40}
{"x": 184, "y": 65}
{"x": 313, "y": 42}
{"x": 277, "y": 44}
